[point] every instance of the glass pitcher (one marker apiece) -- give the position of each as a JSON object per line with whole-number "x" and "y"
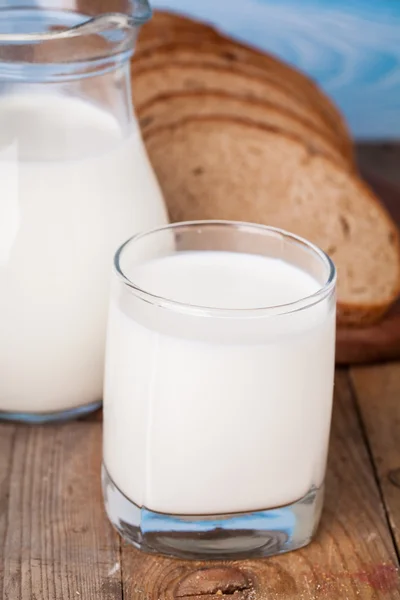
{"x": 75, "y": 181}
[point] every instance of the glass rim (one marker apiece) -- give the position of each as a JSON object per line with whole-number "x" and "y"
{"x": 198, "y": 310}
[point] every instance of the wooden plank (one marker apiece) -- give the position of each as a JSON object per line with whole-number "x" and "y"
{"x": 58, "y": 544}
{"x": 352, "y": 557}
{"x": 378, "y": 392}
{"x": 7, "y": 439}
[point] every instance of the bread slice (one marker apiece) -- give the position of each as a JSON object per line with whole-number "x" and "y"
{"x": 150, "y": 82}
{"x": 168, "y": 109}
{"x": 227, "y": 168}
{"x": 222, "y": 51}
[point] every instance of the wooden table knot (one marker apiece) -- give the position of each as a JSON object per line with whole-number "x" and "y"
{"x": 394, "y": 477}
{"x": 218, "y": 581}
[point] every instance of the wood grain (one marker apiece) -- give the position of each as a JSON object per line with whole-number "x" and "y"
{"x": 378, "y": 391}
{"x": 352, "y": 557}
{"x": 7, "y": 441}
{"x": 57, "y": 543}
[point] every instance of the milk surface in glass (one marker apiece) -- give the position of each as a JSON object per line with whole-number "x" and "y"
{"x": 207, "y": 415}
{"x": 73, "y": 186}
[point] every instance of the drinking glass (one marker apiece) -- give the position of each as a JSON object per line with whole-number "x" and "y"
{"x": 217, "y": 406}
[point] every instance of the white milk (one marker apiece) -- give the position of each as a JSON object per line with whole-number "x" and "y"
{"x": 208, "y": 415}
{"x": 73, "y": 186}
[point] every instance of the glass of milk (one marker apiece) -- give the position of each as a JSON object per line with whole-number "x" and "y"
{"x": 218, "y": 390}
{"x": 75, "y": 181}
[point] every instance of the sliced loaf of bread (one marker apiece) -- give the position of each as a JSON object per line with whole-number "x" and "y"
{"x": 168, "y": 109}
{"x": 228, "y": 168}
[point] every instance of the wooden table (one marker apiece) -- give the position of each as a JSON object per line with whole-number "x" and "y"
{"x": 56, "y": 543}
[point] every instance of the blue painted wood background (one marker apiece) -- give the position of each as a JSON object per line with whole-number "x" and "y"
{"x": 351, "y": 47}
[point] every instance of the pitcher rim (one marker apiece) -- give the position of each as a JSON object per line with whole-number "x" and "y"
{"x": 140, "y": 14}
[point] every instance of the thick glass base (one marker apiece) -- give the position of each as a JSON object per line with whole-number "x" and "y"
{"x": 243, "y": 535}
{"x": 51, "y": 417}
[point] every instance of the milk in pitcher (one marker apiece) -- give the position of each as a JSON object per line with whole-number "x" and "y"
{"x": 73, "y": 185}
